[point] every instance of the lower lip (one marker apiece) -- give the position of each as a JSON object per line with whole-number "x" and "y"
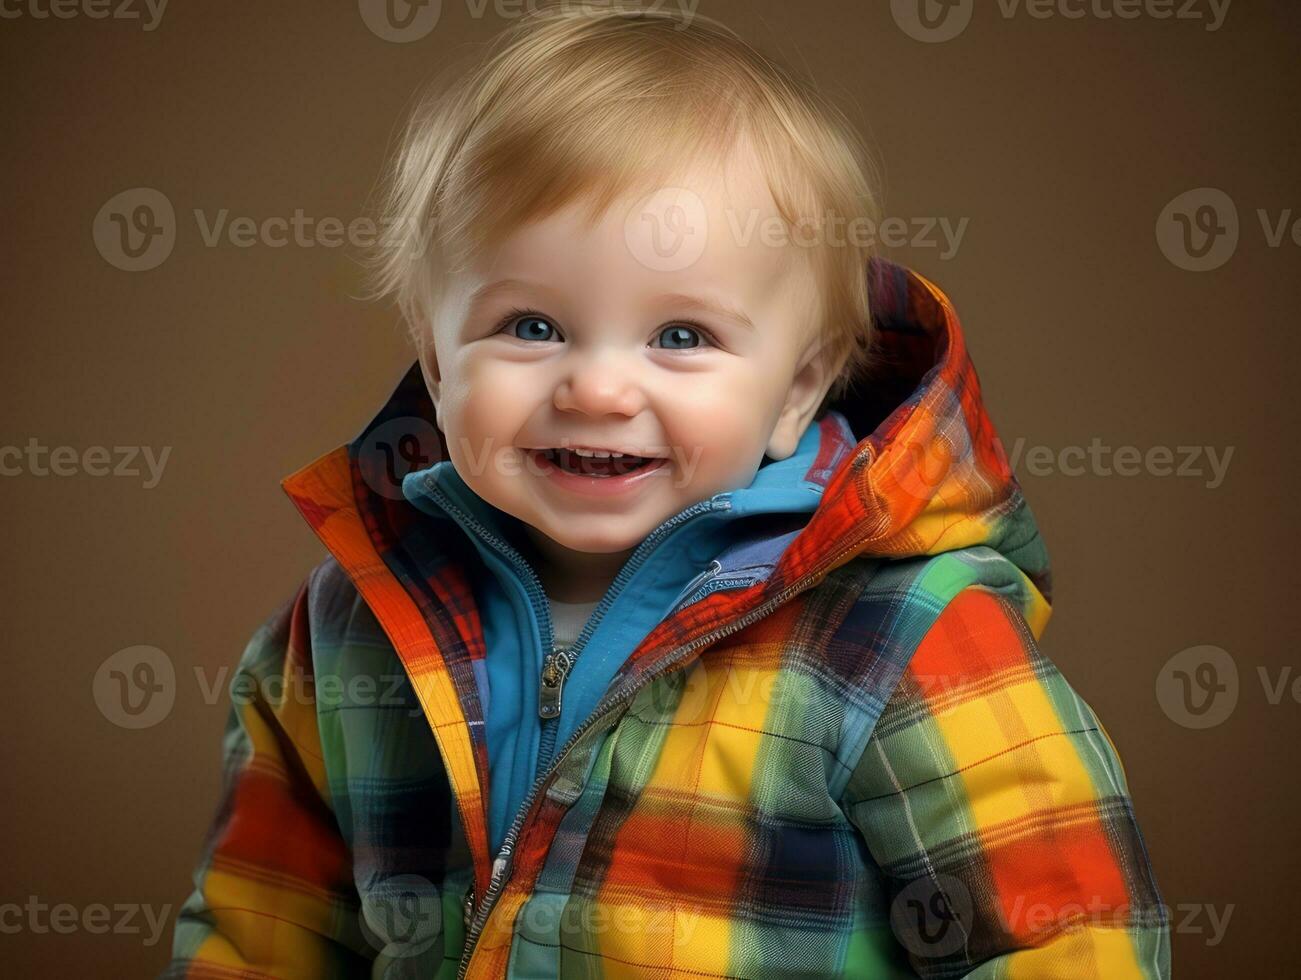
{"x": 596, "y": 486}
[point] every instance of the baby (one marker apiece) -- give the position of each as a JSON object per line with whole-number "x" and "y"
{"x": 681, "y": 612}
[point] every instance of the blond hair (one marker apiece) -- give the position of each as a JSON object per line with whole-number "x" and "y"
{"x": 593, "y": 102}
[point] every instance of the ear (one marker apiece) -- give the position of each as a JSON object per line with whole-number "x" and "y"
{"x": 813, "y": 379}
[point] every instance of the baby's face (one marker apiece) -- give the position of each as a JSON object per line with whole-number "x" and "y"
{"x": 660, "y": 331}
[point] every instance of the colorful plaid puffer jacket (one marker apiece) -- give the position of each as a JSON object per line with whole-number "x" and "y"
{"x": 844, "y": 757}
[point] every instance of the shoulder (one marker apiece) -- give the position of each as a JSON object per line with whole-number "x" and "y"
{"x": 911, "y": 592}
{"x": 329, "y": 592}
{"x": 951, "y": 626}
{"x": 324, "y": 615}
{"x": 876, "y": 615}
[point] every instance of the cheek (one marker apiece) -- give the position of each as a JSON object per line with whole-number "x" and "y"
{"x": 485, "y": 405}
{"x": 472, "y": 395}
{"x": 458, "y": 410}
{"x": 719, "y": 429}
{"x": 471, "y": 428}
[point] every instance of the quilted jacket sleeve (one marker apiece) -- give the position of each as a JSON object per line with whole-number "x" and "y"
{"x": 995, "y": 805}
{"x": 273, "y": 891}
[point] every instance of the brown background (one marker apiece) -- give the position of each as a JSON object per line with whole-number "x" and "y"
{"x": 1061, "y": 140}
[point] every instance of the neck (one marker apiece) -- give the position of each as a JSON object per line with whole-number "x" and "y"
{"x": 573, "y": 576}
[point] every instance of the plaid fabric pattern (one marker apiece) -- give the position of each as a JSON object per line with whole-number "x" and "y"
{"x": 861, "y": 765}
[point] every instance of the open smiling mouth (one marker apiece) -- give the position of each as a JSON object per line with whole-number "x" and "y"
{"x": 600, "y": 467}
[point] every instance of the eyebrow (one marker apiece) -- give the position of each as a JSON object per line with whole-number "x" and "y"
{"x": 697, "y": 303}
{"x": 737, "y": 316}
{"x": 490, "y": 289}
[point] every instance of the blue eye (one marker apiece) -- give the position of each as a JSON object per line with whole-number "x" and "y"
{"x": 681, "y": 337}
{"x": 535, "y": 327}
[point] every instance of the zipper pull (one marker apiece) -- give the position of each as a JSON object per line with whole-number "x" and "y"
{"x": 500, "y": 865}
{"x": 712, "y": 569}
{"x": 555, "y": 668}
{"x": 467, "y": 909}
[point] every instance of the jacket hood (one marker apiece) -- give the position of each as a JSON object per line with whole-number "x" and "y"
{"x": 929, "y": 473}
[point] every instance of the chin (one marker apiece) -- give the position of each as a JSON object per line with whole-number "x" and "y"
{"x": 595, "y": 544}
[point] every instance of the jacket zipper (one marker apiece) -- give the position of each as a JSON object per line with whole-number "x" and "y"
{"x": 712, "y": 569}
{"x": 554, "y": 670}
{"x": 501, "y": 867}
{"x": 558, "y": 664}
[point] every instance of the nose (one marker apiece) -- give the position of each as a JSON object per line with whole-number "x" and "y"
{"x": 599, "y": 383}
